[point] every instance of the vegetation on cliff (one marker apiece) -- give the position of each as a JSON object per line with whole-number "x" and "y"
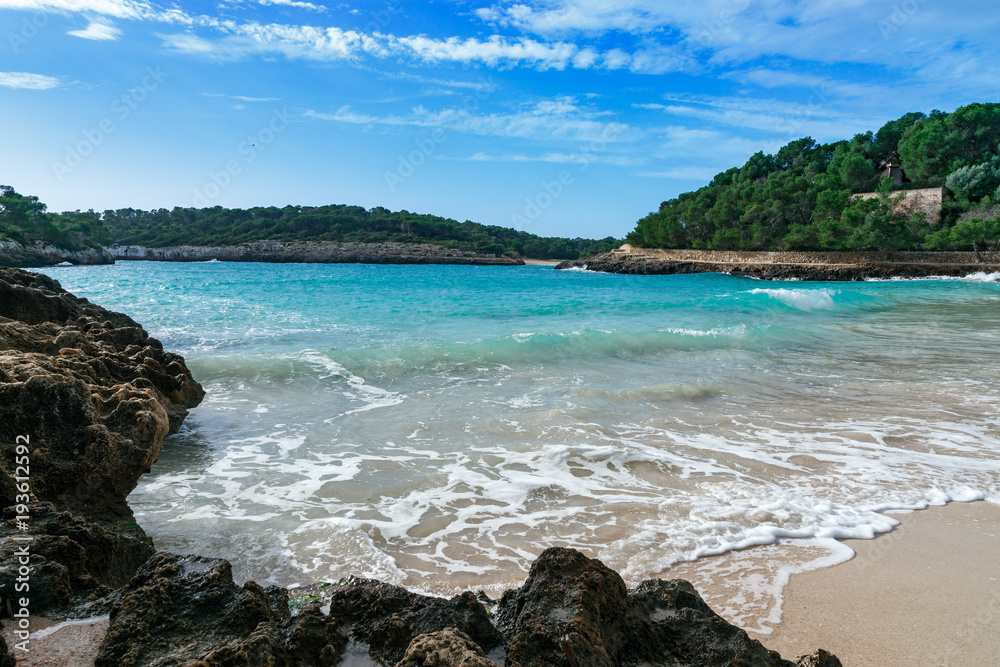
{"x": 24, "y": 219}
{"x": 802, "y": 198}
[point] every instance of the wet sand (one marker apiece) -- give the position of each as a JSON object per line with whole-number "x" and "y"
{"x": 73, "y": 644}
{"x": 927, "y": 593}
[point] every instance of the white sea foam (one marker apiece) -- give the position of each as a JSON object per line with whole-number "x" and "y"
{"x": 801, "y": 299}
{"x": 977, "y": 277}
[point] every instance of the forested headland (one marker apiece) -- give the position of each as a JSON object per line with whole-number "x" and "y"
{"x": 25, "y": 219}
{"x": 804, "y": 196}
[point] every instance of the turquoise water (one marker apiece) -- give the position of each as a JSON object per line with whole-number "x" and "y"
{"x": 438, "y": 427}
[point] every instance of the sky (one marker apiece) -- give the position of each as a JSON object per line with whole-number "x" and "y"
{"x": 559, "y": 117}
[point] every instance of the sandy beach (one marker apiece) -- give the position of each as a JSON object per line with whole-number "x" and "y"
{"x": 927, "y": 593}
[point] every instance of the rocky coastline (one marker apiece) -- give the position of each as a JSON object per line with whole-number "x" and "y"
{"x": 90, "y": 397}
{"x": 14, "y": 254}
{"x": 314, "y": 253}
{"x": 823, "y": 266}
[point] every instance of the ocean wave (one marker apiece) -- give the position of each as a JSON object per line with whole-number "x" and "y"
{"x": 802, "y": 299}
{"x": 540, "y": 348}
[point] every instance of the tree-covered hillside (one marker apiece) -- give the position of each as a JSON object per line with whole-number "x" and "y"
{"x": 802, "y": 197}
{"x": 24, "y": 219}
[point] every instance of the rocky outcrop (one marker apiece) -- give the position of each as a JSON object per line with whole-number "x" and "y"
{"x": 86, "y": 399}
{"x": 574, "y": 611}
{"x": 388, "y": 618}
{"x": 186, "y": 608}
{"x": 445, "y": 648}
{"x": 14, "y": 254}
{"x": 791, "y": 265}
{"x": 313, "y": 252}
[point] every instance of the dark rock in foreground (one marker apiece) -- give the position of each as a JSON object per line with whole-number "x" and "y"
{"x": 187, "y": 608}
{"x": 574, "y": 611}
{"x": 571, "y": 611}
{"x": 833, "y": 266}
{"x": 388, "y": 618}
{"x": 444, "y": 648}
{"x": 90, "y": 397}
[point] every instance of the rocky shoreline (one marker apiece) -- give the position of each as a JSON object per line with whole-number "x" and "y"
{"x": 14, "y": 254}
{"x": 824, "y": 266}
{"x": 314, "y": 253}
{"x": 90, "y": 397}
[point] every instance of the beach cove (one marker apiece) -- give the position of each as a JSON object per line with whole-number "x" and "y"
{"x": 497, "y": 411}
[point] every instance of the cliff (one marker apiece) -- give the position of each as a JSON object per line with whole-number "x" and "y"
{"x": 790, "y": 265}
{"x": 313, "y": 253}
{"x": 86, "y": 399}
{"x": 14, "y": 254}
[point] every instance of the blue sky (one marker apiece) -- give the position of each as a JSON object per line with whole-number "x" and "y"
{"x": 562, "y": 117}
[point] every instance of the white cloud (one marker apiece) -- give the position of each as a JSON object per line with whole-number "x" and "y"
{"x": 293, "y": 3}
{"x": 332, "y": 44}
{"x": 294, "y": 42}
{"x": 135, "y": 10}
{"x": 913, "y": 36}
{"x": 27, "y": 81}
{"x": 97, "y": 31}
{"x": 493, "y": 51}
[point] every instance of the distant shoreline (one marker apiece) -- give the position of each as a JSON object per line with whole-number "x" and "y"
{"x": 314, "y": 253}
{"x": 824, "y": 266}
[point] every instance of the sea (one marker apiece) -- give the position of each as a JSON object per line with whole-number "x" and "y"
{"x": 438, "y": 427}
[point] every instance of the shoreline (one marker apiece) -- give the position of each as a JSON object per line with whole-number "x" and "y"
{"x": 925, "y": 593}
{"x": 811, "y": 266}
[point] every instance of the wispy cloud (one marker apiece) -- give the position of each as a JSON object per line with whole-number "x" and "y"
{"x": 817, "y": 114}
{"x": 700, "y": 174}
{"x": 558, "y": 119}
{"x": 27, "y": 81}
{"x": 97, "y": 31}
{"x": 242, "y": 98}
{"x": 555, "y": 158}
